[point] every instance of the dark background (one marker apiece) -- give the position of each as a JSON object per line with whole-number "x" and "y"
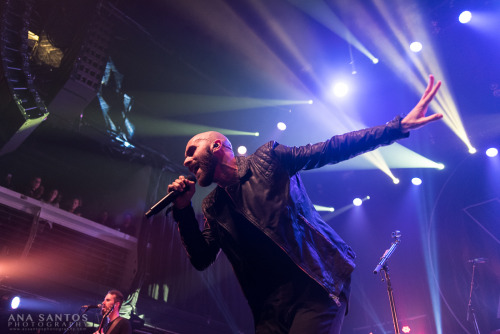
{"x": 194, "y": 62}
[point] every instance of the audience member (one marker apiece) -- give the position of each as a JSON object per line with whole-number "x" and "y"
{"x": 128, "y": 225}
{"x": 75, "y": 206}
{"x": 53, "y": 198}
{"x": 7, "y": 181}
{"x": 35, "y": 189}
{"x": 104, "y": 219}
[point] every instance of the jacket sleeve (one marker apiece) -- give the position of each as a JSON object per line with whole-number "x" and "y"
{"x": 201, "y": 246}
{"x": 339, "y": 148}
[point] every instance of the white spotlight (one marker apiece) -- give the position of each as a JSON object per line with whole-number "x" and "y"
{"x": 465, "y": 17}
{"x": 324, "y": 208}
{"x": 242, "y": 150}
{"x": 395, "y": 180}
{"x": 256, "y": 134}
{"x": 472, "y": 150}
{"x": 416, "y": 47}
{"x": 416, "y": 181}
{"x": 14, "y": 303}
{"x": 340, "y": 89}
{"x": 310, "y": 101}
{"x": 492, "y": 152}
{"x": 440, "y": 166}
{"x": 357, "y": 201}
{"x": 281, "y": 126}
{"x": 375, "y": 60}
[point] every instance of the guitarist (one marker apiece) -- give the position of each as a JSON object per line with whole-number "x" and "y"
{"x": 111, "y": 322}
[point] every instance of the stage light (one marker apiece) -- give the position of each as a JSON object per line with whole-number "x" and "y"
{"x": 281, "y": 126}
{"x": 492, "y": 152}
{"x": 406, "y": 329}
{"x": 375, "y": 60}
{"x": 340, "y": 89}
{"x": 395, "y": 180}
{"x": 357, "y": 201}
{"x": 15, "y": 302}
{"x": 310, "y": 101}
{"x": 416, "y": 47}
{"x": 440, "y": 166}
{"x": 465, "y": 17}
{"x": 416, "y": 181}
{"x": 242, "y": 150}
{"x": 256, "y": 134}
{"x": 472, "y": 150}
{"x": 324, "y": 208}
{"x": 9, "y": 301}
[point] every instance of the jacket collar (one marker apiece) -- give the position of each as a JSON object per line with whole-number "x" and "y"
{"x": 243, "y": 164}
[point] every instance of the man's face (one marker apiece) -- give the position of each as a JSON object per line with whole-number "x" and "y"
{"x": 200, "y": 161}
{"x": 107, "y": 303}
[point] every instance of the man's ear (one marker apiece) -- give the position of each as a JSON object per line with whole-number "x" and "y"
{"x": 216, "y": 145}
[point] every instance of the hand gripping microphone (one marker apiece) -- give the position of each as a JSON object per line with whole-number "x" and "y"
{"x": 169, "y": 198}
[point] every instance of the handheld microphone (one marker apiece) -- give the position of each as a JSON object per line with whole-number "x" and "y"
{"x": 91, "y": 306}
{"x": 169, "y": 198}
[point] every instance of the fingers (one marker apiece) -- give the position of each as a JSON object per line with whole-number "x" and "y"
{"x": 180, "y": 184}
{"x": 416, "y": 117}
{"x": 428, "y": 89}
{"x": 434, "y": 91}
{"x": 431, "y": 118}
{"x": 430, "y": 92}
{"x": 186, "y": 190}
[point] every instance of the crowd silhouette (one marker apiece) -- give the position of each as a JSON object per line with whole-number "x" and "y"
{"x": 124, "y": 222}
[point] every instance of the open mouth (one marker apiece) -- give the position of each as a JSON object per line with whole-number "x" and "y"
{"x": 195, "y": 169}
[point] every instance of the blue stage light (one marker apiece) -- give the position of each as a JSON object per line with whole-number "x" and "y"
{"x": 492, "y": 152}
{"x": 416, "y": 181}
{"x": 465, "y": 17}
{"x": 416, "y": 47}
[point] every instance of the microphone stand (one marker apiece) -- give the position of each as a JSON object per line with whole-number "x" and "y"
{"x": 470, "y": 309}
{"x": 382, "y": 265}
{"x": 79, "y": 316}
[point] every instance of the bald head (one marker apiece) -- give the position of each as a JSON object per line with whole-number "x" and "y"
{"x": 211, "y": 137}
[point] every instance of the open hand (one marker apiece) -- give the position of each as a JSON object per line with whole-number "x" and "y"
{"x": 416, "y": 118}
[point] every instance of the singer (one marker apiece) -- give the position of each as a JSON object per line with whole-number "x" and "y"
{"x": 112, "y": 322}
{"x": 293, "y": 268}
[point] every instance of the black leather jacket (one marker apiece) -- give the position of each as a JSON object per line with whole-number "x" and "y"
{"x": 271, "y": 196}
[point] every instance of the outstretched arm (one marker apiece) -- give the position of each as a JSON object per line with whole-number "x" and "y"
{"x": 416, "y": 118}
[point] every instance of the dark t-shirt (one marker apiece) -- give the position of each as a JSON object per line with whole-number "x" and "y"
{"x": 122, "y": 326}
{"x": 263, "y": 265}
